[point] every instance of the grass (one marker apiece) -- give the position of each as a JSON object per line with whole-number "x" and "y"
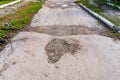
{"x": 5, "y": 1}
{"x": 18, "y": 20}
{"x": 99, "y": 10}
{"x": 94, "y": 8}
{"x": 116, "y": 3}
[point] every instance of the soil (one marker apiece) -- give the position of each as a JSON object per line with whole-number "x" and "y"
{"x": 58, "y": 47}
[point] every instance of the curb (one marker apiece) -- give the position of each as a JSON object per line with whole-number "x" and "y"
{"x": 102, "y": 19}
{"x": 8, "y": 4}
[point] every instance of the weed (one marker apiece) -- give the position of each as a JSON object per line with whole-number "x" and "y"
{"x": 99, "y": 10}
{"x": 19, "y": 19}
{"x": 5, "y": 1}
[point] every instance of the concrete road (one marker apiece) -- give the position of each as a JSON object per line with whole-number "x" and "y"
{"x": 63, "y": 43}
{"x": 65, "y": 18}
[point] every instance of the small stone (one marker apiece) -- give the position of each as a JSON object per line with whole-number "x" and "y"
{"x": 14, "y": 63}
{"x": 7, "y": 24}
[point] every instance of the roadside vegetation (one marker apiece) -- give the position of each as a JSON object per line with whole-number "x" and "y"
{"x": 98, "y": 9}
{"x": 115, "y": 2}
{"x": 92, "y": 7}
{"x": 17, "y": 21}
{"x": 5, "y": 1}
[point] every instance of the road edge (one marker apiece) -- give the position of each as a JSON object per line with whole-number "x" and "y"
{"x": 8, "y": 4}
{"x": 99, "y": 17}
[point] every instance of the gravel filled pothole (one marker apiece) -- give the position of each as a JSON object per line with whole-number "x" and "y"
{"x": 56, "y": 48}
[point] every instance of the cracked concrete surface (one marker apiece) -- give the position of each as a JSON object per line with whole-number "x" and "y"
{"x": 70, "y": 38}
{"x": 98, "y": 58}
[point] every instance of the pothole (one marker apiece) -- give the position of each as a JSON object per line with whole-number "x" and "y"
{"x": 56, "y": 48}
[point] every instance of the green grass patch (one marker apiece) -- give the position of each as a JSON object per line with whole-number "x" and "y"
{"x": 5, "y": 1}
{"x": 99, "y": 10}
{"x": 19, "y": 19}
{"x": 115, "y": 2}
{"x": 96, "y": 9}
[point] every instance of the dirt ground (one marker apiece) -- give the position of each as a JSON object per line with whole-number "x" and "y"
{"x": 63, "y": 43}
